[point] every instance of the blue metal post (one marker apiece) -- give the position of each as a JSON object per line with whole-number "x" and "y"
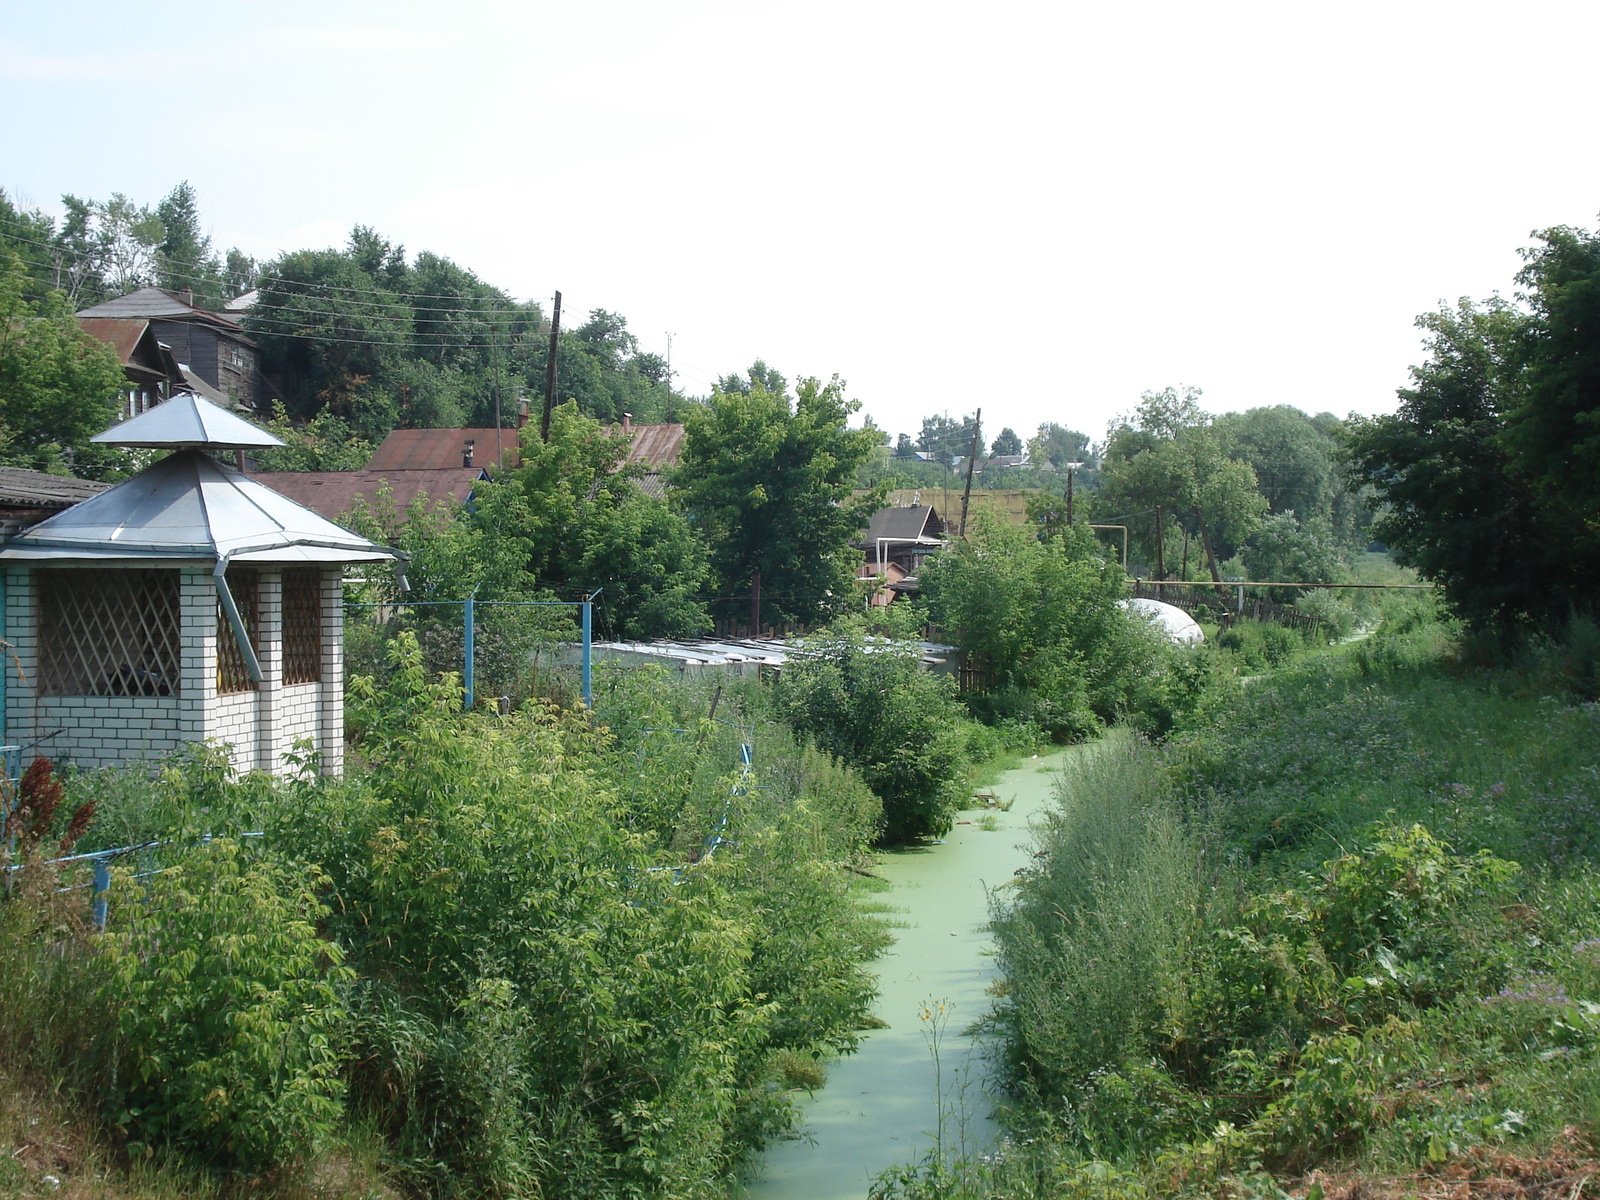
{"x": 466, "y": 673}
{"x": 6, "y": 665}
{"x": 588, "y": 691}
{"x": 102, "y": 885}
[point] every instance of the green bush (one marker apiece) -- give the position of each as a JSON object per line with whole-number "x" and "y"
{"x": 868, "y": 702}
{"x": 228, "y": 1009}
{"x": 1339, "y": 620}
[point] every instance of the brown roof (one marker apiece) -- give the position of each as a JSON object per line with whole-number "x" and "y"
{"x": 435, "y": 449}
{"x": 332, "y": 494}
{"x": 135, "y": 345}
{"x": 653, "y": 445}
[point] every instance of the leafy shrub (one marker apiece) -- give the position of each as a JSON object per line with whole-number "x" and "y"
{"x": 228, "y": 1009}
{"x": 870, "y": 703}
{"x": 1260, "y": 645}
{"x": 1339, "y": 620}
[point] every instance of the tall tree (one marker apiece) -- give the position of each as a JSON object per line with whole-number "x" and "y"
{"x": 58, "y": 386}
{"x": 767, "y": 481}
{"x": 184, "y": 257}
{"x": 1006, "y": 442}
{"x": 1456, "y": 500}
{"x": 1058, "y": 446}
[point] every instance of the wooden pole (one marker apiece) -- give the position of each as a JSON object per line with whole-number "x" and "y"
{"x": 550, "y": 372}
{"x": 972, "y": 458}
{"x": 755, "y": 603}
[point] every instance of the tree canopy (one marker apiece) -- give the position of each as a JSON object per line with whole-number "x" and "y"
{"x": 767, "y": 481}
{"x": 58, "y": 386}
{"x": 1486, "y": 473}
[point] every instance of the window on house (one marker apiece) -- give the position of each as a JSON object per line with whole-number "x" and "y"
{"x": 232, "y": 674}
{"x": 302, "y": 626}
{"x": 108, "y": 632}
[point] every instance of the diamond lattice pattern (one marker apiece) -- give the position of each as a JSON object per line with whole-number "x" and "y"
{"x": 302, "y": 626}
{"x": 232, "y": 674}
{"x": 108, "y": 632}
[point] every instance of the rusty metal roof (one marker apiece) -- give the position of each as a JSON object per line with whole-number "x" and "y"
{"x": 652, "y": 445}
{"x": 334, "y": 493}
{"x": 159, "y": 302}
{"x": 432, "y": 449}
{"x": 124, "y": 336}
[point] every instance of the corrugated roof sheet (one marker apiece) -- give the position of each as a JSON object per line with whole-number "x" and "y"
{"x": 431, "y": 449}
{"x": 914, "y": 521}
{"x": 190, "y": 506}
{"x": 334, "y": 493}
{"x": 36, "y": 489}
{"x": 187, "y": 420}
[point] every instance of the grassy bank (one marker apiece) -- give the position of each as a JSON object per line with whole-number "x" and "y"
{"x": 1341, "y": 930}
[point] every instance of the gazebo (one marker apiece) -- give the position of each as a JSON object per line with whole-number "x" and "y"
{"x": 185, "y": 604}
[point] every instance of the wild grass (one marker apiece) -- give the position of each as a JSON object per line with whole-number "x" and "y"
{"x": 1348, "y": 921}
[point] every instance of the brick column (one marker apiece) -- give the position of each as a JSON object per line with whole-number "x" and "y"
{"x": 331, "y": 742}
{"x": 269, "y": 652}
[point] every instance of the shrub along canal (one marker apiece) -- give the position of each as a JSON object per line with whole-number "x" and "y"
{"x": 890, "y": 1102}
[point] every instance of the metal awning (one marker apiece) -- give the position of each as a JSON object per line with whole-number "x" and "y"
{"x": 189, "y": 506}
{"x": 187, "y": 421}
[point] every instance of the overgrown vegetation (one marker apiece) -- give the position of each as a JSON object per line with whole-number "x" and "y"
{"x": 530, "y": 954}
{"x": 1344, "y": 919}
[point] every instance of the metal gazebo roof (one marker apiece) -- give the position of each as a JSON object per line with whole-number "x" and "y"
{"x": 189, "y": 506}
{"x": 187, "y": 421}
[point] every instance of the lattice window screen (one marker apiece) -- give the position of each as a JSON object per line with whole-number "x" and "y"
{"x": 108, "y": 633}
{"x": 232, "y": 674}
{"x": 302, "y": 626}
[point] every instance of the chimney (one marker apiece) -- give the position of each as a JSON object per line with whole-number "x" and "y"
{"x": 522, "y": 413}
{"x": 467, "y": 451}
{"x": 627, "y": 424}
{"x": 187, "y": 296}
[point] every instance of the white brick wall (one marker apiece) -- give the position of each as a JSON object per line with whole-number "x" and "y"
{"x": 260, "y": 726}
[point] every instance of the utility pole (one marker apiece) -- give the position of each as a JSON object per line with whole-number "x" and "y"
{"x": 1072, "y": 470}
{"x": 755, "y": 604}
{"x": 499, "y": 438}
{"x": 550, "y": 372}
{"x": 977, "y": 426}
{"x": 1161, "y": 570}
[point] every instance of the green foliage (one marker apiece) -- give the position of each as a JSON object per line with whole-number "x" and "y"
{"x": 324, "y": 443}
{"x": 1485, "y": 472}
{"x": 868, "y": 702}
{"x": 229, "y": 1010}
{"x": 58, "y": 386}
{"x": 1042, "y": 617}
{"x": 767, "y": 483}
{"x": 1260, "y": 645}
{"x": 1253, "y": 951}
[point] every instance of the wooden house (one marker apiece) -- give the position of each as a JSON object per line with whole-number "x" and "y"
{"x": 212, "y": 346}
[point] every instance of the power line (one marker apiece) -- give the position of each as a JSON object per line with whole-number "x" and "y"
{"x": 199, "y": 275}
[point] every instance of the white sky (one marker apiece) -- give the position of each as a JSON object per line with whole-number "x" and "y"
{"x": 1040, "y": 209}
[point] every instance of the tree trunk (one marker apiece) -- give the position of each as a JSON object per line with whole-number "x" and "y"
{"x": 1211, "y": 557}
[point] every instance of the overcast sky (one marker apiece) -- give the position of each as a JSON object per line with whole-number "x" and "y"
{"x": 1040, "y": 209}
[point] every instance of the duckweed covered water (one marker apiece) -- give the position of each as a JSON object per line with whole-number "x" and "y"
{"x": 882, "y": 1105}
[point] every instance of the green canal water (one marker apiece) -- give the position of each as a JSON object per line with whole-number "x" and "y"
{"x": 882, "y": 1105}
